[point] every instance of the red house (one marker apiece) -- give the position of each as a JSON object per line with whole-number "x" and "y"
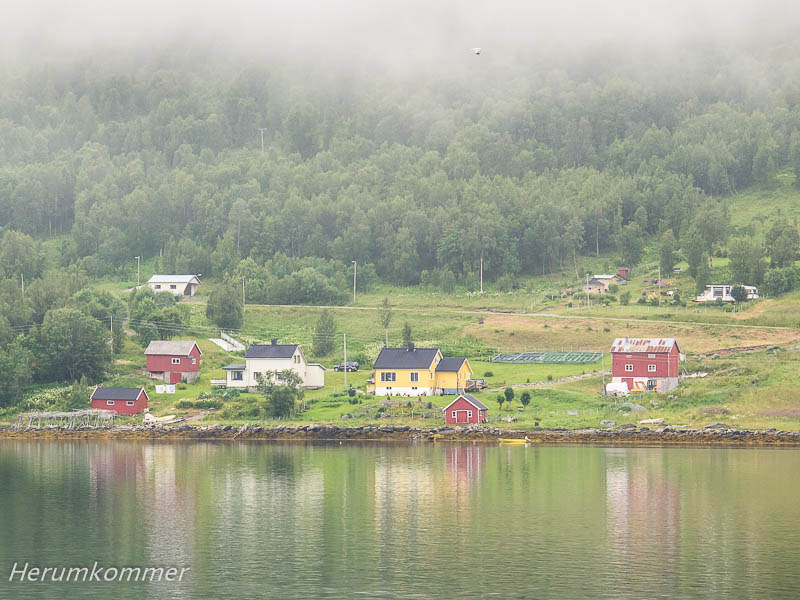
{"x": 123, "y": 401}
{"x": 465, "y": 410}
{"x": 173, "y": 362}
{"x": 645, "y": 364}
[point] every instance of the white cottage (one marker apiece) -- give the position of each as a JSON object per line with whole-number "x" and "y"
{"x": 722, "y": 292}
{"x": 261, "y": 358}
{"x": 179, "y": 285}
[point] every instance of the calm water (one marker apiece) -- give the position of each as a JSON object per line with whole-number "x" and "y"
{"x": 404, "y": 521}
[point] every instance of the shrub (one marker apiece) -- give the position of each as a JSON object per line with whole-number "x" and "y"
{"x": 430, "y": 405}
{"x": 549, "y": 377}
{"x": 641, "y": 300}
{"x": 185, "y": 404}
{"x": 488, "y": 374}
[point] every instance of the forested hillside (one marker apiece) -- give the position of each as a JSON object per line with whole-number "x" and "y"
{"x": 526, "y": 169}
{"x": 526, "y": 166}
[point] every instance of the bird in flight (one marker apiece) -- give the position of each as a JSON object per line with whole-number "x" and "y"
{"x": 476, "y": 51}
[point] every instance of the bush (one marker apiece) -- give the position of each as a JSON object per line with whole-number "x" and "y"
{"x": 185, "y": 404}
{"x": 613, "y": 288}
{"x": 625, "y": 298}
{"x": 549, "y": 377}
{"x": 488, "y": 374}
{"x": 641, "y": 300}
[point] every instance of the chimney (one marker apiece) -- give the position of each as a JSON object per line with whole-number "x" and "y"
{"x": 274, "y": 341}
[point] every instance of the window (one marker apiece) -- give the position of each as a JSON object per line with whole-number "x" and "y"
{"x": 414, "y": 377}
{"x": 469, "y": 414}
{"x": 629, "y": 368}
{"x": 651, "y": 356}
{"x": 194, "y": 361}
{"x": 651, "y": 368}
{"x": 176, "y": 361}
{"x": 454, "y": 414}
{"x": 129, "y": 403}
{"x": 431, "y": 374}
{"x": 388, "y": 376}
{"x": 157, "y": 286}
{"x": 296, "y": 359}
{"x": 109, "y": 403}
{"x": 255, "y": 377}
{"x": 172, "y": 286}
{"x": 236, "y": 376}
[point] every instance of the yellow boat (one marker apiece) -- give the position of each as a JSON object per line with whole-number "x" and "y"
{"x": 513, "y": 440}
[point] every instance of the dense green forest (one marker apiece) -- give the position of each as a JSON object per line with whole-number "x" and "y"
{"x": 419, "y": 179}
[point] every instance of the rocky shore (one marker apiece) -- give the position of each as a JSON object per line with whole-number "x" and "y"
{"x": 718, "y": 434}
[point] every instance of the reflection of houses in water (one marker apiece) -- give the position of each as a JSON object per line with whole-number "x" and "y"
{"x": 464, "y": 464}
{"x": 643, "y": 506}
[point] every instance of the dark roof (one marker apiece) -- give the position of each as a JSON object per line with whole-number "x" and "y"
{"x": 271, "y": 351}
{"x": 109, "y": 393}
{"x": 471, "y": 399}
{"x": 234, "y": 367}
{"x": 450, "y": 364}
{"x": 405, "y": 358}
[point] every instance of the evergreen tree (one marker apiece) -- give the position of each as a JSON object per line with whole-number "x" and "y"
{"x": 225, "y": 308}
{"x": 324, "y": 334}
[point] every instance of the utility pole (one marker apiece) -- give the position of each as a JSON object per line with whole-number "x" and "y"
{"x": 22, "y": 283}
{"x": 345, "y": 361}
{"x": 481, "y": 273}
{"x": 604, "y": 374}
{"x": 243, "y": 301}
{"x": 659, "y": 285}
{"x": 138, "y": 260}
{"x": 587, "y": 291}
{"x": 262, "y": 130}
{"x": 355, "y": 270}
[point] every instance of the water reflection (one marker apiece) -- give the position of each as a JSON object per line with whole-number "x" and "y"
{"x": 284, "y": 521}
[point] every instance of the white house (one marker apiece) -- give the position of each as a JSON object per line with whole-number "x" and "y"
{"x": 273, "y": 357}
{"x": 722, "y": 292}
{"x": 598, "y": 284}
{"x": 180, "y": 285}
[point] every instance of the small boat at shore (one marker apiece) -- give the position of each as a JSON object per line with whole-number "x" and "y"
{"x": 524, "y": 440}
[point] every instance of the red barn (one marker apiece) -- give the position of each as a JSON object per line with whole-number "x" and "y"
{"x": 465, "y": 410}
{"x": 123, "y": 401}
{"x": 173, "y": 362}
{"x": 646, "y": 364}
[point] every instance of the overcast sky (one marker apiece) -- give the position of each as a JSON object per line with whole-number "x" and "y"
{"x": 383, "y": 30}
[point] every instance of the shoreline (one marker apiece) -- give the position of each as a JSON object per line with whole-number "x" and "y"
{"x": 626, "y": 435}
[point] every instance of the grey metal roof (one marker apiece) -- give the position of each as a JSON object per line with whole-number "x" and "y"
{"x": 450, "y": 364}
{"x": 173, "y": 279}
{"x": 170, "y": 348}
{"x": 405, "y": 358}
{"x": 234, "y": 367}
{"x": 111, "y": 393}
{"x": 271, "y": 351}
{"x": 471, "y": 399}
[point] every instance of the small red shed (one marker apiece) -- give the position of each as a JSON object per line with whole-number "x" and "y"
{"x": 465, "y": 410}
{"x": 173, "y": 362}
{"x": 123, "y": 401}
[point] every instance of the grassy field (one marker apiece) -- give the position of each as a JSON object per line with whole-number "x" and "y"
{"x": 744, "y": 387}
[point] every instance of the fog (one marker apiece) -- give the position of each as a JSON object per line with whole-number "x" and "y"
{"x": 388, "y": 33}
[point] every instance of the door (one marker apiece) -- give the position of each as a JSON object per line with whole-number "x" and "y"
{"x": 461, "y": 416}
{"x": 174, "y": 377}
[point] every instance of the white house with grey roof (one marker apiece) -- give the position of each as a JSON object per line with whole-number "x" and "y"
{"x": 179, "y": 285}
{"x": 261, "y": 358}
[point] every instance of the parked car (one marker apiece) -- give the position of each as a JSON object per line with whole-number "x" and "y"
{"x": 349, "y": 366}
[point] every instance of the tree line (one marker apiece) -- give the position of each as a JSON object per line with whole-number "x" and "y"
{"x": 524, "y": 176}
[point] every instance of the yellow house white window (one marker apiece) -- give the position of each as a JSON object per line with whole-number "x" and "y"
{"x": 414, "y": 376}
{"x": 388, "y": 376}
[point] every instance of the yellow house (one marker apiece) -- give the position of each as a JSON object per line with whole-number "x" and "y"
{"x": 419, "y": 372}
{"x": 452, "y": 375}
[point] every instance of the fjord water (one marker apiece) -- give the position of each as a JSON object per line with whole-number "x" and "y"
{"x": 287, "y": 520}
